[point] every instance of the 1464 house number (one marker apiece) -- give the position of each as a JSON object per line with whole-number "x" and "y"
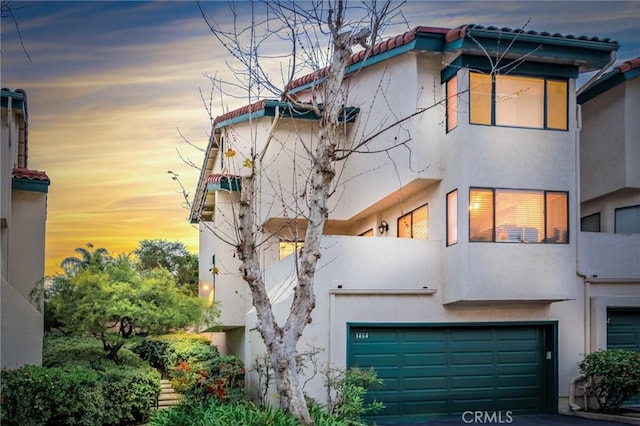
{"x": 362, "y": 335}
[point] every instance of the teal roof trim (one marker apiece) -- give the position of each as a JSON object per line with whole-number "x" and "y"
{"x": 29, "y": 185}
{"x": 514, "y": 67}
{"x": 287, "y": 110}
{"x": 607, "y": 82}
{"x": 17, "y": 100}
{"x": 587, "y": 53}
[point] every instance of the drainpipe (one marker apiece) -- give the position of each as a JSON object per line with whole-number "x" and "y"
{"x": 572, "y": 390}
{"x": 276, "y": 119}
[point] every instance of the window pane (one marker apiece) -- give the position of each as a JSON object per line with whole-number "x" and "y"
{"x": 519, "y": 101}
{"x": 404, "y": 226}
{"x": 519, "y": 216}
{"x": 480, "y": 98}
{"x": 452, "y": 103}
{"x": 481, "y": 215}
{"x": 557, "y": 105}
{"x": 288, "y": 247}
{"x": 557, "y": 218}
{"x": 628, "y": 220}
{"x": 420, "y": 223}
{"x": 590, "y": 223}
{"x": 452, "y": 217}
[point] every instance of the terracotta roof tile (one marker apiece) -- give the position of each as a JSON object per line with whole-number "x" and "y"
{"x": 23, "y": 173}
{"x": 247, "y": 109}
{"x": 629, "y": 65}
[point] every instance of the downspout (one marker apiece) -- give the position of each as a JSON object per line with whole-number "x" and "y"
{"x": 274, "y": 124}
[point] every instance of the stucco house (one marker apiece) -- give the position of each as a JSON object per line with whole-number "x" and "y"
{"x": 453, "y": 263}
{"x": 23, "y": 209}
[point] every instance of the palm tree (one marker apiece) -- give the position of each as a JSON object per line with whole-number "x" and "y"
{"x": 98, "y": 258}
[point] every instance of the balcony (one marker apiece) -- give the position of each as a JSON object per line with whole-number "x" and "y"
{"x": 363, "y": 264}
{"x": 609, "y": 256}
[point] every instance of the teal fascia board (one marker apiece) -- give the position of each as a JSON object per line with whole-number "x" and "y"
{"x": 514, "y": 67}
{"x": 226, "y": 184}
{"x": 592, "y": 54}
{"x": 17, "y": 100}
{"x": 287, "y": 110}
{"x": 607, "y": 82}
{"x": 29, "y": 185}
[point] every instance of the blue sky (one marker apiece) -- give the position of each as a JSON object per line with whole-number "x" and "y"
{"x": 109, "y": 84}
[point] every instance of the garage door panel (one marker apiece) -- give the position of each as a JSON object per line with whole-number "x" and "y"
{"x": 430, "y": 371}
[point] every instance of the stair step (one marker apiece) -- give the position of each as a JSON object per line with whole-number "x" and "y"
{"x": 169, "y": 396}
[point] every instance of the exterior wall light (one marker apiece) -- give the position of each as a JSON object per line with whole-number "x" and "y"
{"x": 383, "y": 227}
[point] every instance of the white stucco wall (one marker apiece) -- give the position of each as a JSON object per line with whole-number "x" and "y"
{"x": 610, "y": 141}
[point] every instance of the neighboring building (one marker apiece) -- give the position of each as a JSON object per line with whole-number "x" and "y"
{"x": 23, "y": 209}
{"x": 475, "y": 291}
{"x": 609, "y": 247}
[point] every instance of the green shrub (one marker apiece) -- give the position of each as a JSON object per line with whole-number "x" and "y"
{"x": 613, "y": 376}
{"x": 346, "y": 393}
{"x": 35, "y": 395}
{"x": 60, "y": 351}
{"x": 195, "y": 367}
{"x": 166, "y": 351}
{"x": 79, "y": 385}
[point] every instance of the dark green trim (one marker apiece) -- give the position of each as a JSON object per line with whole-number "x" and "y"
{"x": 607, "y": 82}
{"x": 16, "y": 103}
{"x": 288, "y": 110}
{"x": 29, "y": 185}
{"x": 512, "y": 67}
{"x": 591, "y": 54}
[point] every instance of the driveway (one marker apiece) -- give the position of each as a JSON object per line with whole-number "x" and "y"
{"x": 515, "y": 420}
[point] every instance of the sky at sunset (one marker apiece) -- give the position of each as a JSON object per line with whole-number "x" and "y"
{"x": 110, "y": 83}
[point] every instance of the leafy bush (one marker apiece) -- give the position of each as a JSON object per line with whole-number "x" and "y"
{"x": 613, "y": 376}
{"x": 39, "y": 396}
{"x": 346, "y": 391}
{"x": 79, "y": 385}
{"x": 195, "y": 367}
{"x": 166, "y": 351}
{"x": 59, "y": 351}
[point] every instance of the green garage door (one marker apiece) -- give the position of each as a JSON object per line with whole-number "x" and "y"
{"x": 623, "y": 332}
{"x": 447, "y": 370}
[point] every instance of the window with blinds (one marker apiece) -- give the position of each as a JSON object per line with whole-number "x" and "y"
{"x": 519, "y": 101}
{"x": 414, "y": 224}
{"x": 518, "y": 216}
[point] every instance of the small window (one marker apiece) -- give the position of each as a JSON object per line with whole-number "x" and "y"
{"x": 414, "y": 224}
{"x": 368, "y": 233}
{"x": 515, "y": 215}
{"x": 590, "y": 223}
{"x": 288, "y": 247}
{"x": 508, "y": 100}
{"x": 452, "y": 103}
{"x": 627, "y": 220}
{"x": 452, "y": 217}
